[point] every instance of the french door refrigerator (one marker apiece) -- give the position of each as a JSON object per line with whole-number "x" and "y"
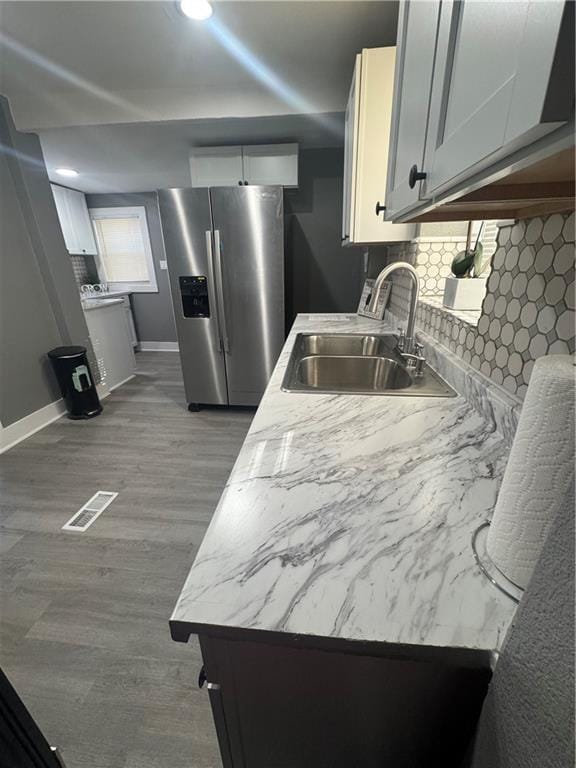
{"x": 225, "y": 253}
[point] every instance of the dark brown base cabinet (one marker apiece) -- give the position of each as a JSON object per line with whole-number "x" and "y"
{"x": 280, "y": 705}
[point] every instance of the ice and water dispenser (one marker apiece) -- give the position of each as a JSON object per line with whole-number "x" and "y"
{"x": 194, "y": 293}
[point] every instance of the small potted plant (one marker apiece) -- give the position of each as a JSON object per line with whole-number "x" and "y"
{"x": 466, "y": 289}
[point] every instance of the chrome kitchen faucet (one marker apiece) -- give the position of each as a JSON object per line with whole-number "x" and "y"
{"x": 409, "y": 341}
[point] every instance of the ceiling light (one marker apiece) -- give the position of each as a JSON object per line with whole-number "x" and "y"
{"x": 200, "y": 10}
{"x": 70, "y": 172}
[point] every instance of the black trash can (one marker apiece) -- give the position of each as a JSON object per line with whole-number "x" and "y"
{"x": 76, "y": 382}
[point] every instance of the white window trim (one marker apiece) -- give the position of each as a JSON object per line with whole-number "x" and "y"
{"x": 120, "y": 212}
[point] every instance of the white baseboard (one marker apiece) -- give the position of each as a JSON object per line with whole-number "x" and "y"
{"x": 29, "y": 425}
{"x": 34, "y": 422}
{"x": 159, "y": 346}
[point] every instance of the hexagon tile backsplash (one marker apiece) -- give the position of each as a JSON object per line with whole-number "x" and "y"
{"x": 528, "y": 310}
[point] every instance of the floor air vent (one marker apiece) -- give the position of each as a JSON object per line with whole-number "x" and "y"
{"x": 93, "y": 508}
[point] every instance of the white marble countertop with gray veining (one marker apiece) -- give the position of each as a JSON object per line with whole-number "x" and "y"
{"x": 351, "y": 517}
{"x": 89, "y": 306}
{"x": 103, "y": 295}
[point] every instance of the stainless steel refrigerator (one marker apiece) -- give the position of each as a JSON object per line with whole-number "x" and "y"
{"x": 225, "y": 253}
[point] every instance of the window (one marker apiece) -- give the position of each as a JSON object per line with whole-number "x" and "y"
{"x": 124, "y": 250}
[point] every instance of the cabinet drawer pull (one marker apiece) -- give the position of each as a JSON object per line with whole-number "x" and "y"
{"x": 379, "y": 208}
{"x": 414, "y": 176}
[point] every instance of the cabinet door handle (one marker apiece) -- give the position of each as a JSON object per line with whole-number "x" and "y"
{"x": 414, "y": 176}
{"x": 219, "y": 715}
{"x": 379, "y": 208}
{"x": 201, "y": 678}
{"x": 220, "y": 290}
{"x": 213, "y": 294}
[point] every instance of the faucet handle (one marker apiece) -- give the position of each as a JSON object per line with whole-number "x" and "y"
{"x": 401, "y": 338}
{"x": 418, "y": 348}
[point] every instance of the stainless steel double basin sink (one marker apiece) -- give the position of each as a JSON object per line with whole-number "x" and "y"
{"x": 358, "y": 364}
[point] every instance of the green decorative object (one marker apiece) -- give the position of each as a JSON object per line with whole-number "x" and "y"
{"x": 462, "y": 263}
{"x": 469, "y": 263}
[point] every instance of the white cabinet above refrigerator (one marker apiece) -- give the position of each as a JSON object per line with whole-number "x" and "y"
{"x": 259, "y": 164}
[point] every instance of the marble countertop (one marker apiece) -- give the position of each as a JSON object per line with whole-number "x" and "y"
{"x": 351, "y": 517}
{"x": 103, "y": 295}
{"x": 93, "y": 304}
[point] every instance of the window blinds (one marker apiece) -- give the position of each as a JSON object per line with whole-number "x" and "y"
{"x": 121, "y": 248}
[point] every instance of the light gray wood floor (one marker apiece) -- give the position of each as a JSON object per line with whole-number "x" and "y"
{"x": 84, "y": 632}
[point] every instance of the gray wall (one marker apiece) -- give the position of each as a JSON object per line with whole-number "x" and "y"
{"x": 528, "y": 717}
{"x": 39, "y": 302}
{"x": 152, "y": 311}
{"x": 321, "y": 275}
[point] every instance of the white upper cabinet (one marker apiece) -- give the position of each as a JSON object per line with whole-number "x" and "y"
{"x": 64, "y": 217}
{"x": 495, "y": 86}
{"x": 216, "y": 166}
{"x": 367, "y": 126}
{"x": 417, "y": 28}
{"x": 85, "y": 240}
{"x": 74, "y": 220}
{"x": 266, "y": 164}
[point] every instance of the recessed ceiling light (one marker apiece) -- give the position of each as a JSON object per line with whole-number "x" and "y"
{"x": 66, "y": 172}
{"x": 200, "y": 10}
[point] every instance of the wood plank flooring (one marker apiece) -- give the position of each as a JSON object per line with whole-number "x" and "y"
{"x": 84, "y": 632}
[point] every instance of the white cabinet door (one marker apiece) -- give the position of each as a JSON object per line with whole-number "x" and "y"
{"x": 367, "y": 131}
{"x": 61, "y": 200}
{"x": 417, "y": 30}
{"x": 74, "y": 220}
{"x": 496, "y": 87}
{"x": 80, "y": 220}
{"x": 371, "y": 151}
{"x": 350, "y": 140}
{"x": 274, "y": 164}
{"x": 216, "y": 167}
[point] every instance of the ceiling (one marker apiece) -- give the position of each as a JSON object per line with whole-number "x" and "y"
{"x": 88, "y": 63}
{"x": 121, "y": 90}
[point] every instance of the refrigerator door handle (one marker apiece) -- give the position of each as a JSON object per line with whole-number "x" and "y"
{"x": 214, "y": 291}
{"x": 220, "y": 291}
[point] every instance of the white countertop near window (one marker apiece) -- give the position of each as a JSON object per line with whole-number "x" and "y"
{"x": 103, "y": 295}
{"x": 87, "y": 306}
{"x": 351, "y": 517}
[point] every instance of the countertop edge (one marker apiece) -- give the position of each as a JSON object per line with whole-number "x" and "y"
{"x": 101, "y": 304}
{"x": 469, "y": 658}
